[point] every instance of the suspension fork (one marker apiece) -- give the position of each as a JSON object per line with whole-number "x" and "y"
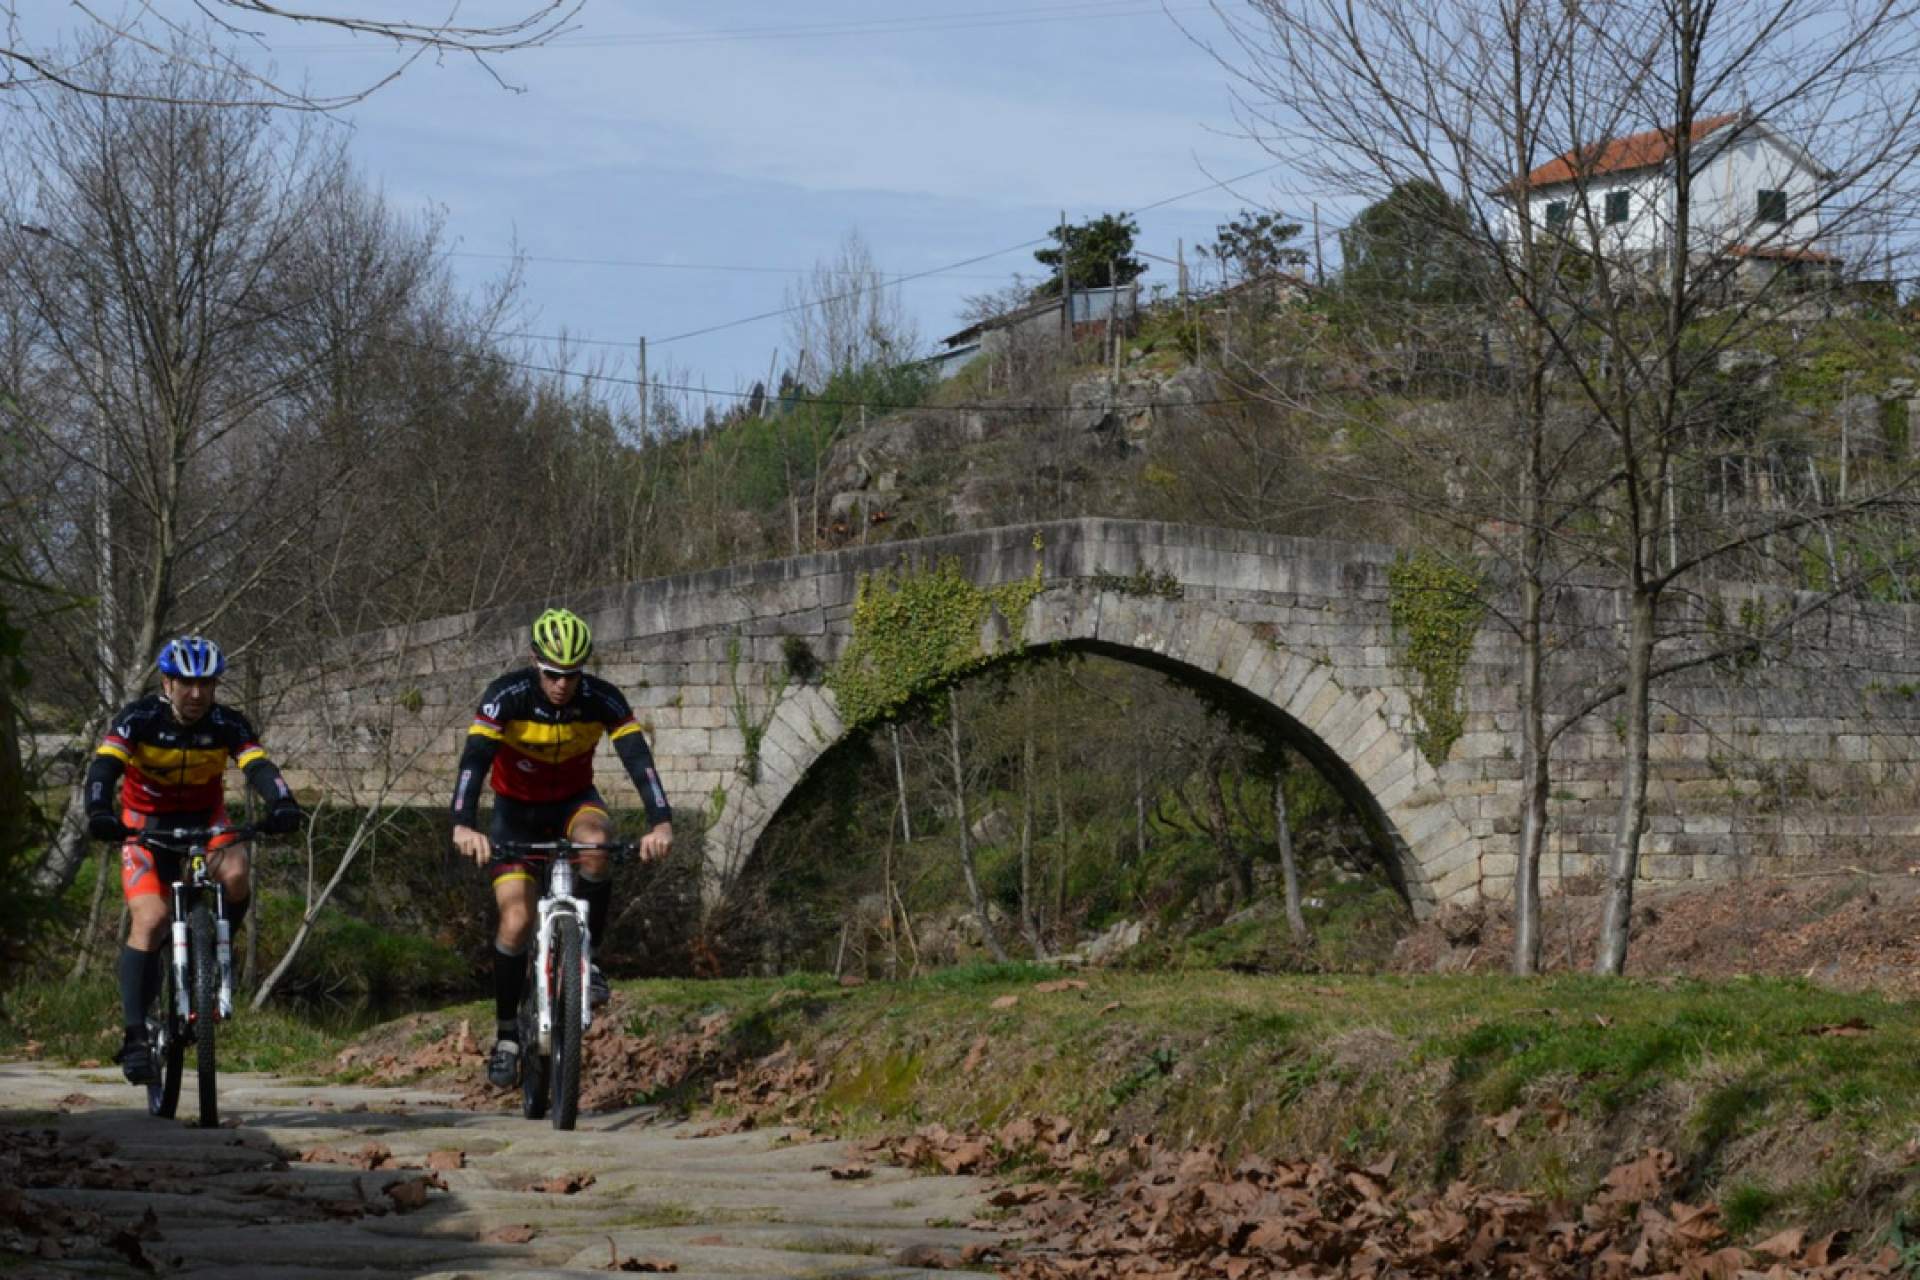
{"x": 223, "y": 949}
{"x": 182, "y": 987}
{"x": 557, "y": 901}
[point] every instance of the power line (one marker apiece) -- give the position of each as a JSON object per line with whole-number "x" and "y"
{"x": 916, "y": 275}
{"x": 950, "y": 21}
{"x": 651, "y": 264}
{"x": 808, "y": 400}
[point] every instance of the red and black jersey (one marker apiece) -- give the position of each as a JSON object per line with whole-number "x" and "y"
{"x": 537, "y": 753}
{"x": 177, "y": 768}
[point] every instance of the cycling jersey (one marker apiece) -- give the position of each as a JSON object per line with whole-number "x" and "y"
{"x": 174, "y": 768}
{"x": 533, "y": 752}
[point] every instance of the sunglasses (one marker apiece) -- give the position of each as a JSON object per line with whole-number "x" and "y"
{"x": 556, "y": 674}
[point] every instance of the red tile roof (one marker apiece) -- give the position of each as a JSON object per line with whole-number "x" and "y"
{"x": 1782, "y": 252}
{"x": 1617, "y": 155}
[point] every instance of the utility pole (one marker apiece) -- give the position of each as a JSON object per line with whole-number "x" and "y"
{"x": 646, "y": 423}
{"x": 1318, "y": 278}
{"x": 109, "y": 619}
{"x": 1066, "y": 287}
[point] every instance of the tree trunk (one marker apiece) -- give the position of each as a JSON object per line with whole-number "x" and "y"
{"x": 1239, "y": 864}
{"x": 1289, "y": 867}
{"x": 886, "y": 904}
{"x": 1028, "y": 925}
{"x": 1060, "y": 830}
{"x": 1139, "y": 808}
{"x": 1624, "y": 863}
{"x": 974, "y": 892}
{"x": 369, "y": 824}
{"x": 14, "y": 809}
{"x": 89, "y": 933}
{"x": 1533, "y": 750}
{"x": 900, "y": 781}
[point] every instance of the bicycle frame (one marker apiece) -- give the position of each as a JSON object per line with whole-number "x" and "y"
{"x": 556, "y": 901}
{"x": 193, "y": 882}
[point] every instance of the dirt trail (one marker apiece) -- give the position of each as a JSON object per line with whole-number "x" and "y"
{"x": 624, "y": 1188}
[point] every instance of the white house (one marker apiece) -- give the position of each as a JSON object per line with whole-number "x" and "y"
{"x": 1754, "y": 209}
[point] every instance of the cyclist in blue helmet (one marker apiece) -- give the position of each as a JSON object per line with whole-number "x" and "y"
{"x": 163, "y": 760}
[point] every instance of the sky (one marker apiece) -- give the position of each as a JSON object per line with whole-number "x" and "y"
{"x": 660, "y": 139}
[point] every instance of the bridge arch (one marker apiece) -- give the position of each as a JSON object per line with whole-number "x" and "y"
{"x": 1348, "y": 735}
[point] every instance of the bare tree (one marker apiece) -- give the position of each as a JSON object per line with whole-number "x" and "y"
{"x": 216, "y": 43}
{"x": 375, "y": 793}
{"x": 1609, "y": 350}
{"x": 847, "y": 316}
{"x": 153, "y": 282}
{"x": 964, "y": 835}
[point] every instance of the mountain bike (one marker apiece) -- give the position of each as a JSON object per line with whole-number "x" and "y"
{"x": 197, "y": 986}
{"x": 555, "y": 1012}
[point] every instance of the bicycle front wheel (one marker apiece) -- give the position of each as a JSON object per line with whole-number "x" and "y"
{"x": 167, "y": 1035}
{"x": 568, "y": 993}
{"x": 205, "y": 972}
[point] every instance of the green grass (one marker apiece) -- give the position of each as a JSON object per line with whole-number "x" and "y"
{"x": 76, "y": 1022}
{"x": 1366, "y": 1065}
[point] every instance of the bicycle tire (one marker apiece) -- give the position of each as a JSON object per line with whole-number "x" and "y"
{"x": 535, "y": 1067}
{"x": 566, "y": 1023}
{"x": 206, "y": 1009}
{"x": 167, "y": 1036}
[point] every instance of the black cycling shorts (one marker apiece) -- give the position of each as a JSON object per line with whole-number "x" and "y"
{"x": 515, "y": 820}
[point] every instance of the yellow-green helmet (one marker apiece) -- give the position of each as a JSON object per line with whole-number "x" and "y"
{"x": 562, "y": 638}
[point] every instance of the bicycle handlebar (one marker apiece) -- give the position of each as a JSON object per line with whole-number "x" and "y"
{"x": 548, "y": 850}
{"x": 180, "y": 839}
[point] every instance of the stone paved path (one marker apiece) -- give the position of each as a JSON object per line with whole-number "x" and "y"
{"x": 749, "y": 1204}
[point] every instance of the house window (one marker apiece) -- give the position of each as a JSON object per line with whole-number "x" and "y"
{"x": 1773, "y": 206}
{"x": 1617, "y": 207}
{"x": 1556, "y": 213}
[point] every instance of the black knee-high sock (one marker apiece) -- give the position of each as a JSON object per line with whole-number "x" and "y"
{"x": 599, "y": 898}
{"x": 509, "y": 980}
{"x": 150, "y": 977}
{"x": 139, "y": 979}
{"x": 237, "y": 914}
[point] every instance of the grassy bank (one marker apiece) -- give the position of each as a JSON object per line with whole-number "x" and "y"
{"x": 1784, "y": 1102}
{"x": 75, "y": 1022}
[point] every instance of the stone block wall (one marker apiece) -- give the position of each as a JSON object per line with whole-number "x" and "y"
{"x": 1807, "y": 752}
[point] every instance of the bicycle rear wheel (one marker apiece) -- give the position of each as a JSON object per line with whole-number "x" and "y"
{"x": 167, "y": 1035}
{"x": 535, "y": 1067}
{"x": 205, "y": 973}
{"x": 566, "y": 1022}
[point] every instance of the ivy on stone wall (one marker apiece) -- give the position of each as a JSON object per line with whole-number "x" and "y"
{"x": 1436, "y": 608}
{"x": 916, "y": 629}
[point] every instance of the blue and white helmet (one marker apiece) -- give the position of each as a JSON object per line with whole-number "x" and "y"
{"x": 191, "y": 658}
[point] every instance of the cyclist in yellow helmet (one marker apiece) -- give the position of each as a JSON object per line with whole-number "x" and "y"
{"x": 533, "y": 739}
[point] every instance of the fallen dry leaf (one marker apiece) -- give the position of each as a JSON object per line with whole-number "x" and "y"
{"x": 1854, "y": 1026}
{"x": 1783, "y": 1245}
{"x": 1060, "y": 984}
{"x": 850, "y": 1172}
{"x": 411, "y": 1193}
{"x": 519, "y": 1234}
{"x": 446, "y": 1160}
{"x": 563, "y": 1184}
{"x": 975, "y": 1055}
{"x": 1505, "y": 1123}
{"x": 1005, "y": 1002}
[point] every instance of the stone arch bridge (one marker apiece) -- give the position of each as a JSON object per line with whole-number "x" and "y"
{"x": 1808, "y": 756}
